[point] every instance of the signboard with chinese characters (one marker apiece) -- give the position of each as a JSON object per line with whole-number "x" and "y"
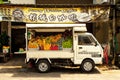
{"x": 54, "y": 15}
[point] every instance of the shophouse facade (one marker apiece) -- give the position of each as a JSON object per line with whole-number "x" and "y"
{"x": 102, "y": 28}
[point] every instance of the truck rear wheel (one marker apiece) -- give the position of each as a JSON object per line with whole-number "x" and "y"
{"x": 43, "y": 66}
{"x": 87, "y": 65}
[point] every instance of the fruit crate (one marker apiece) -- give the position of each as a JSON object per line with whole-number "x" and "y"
{"x": 33, "y": 49}
{"x": 67, "y": 49}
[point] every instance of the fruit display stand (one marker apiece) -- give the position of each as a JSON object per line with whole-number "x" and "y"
{"x": 67, "y": 49}
{"x": 5, "y": 55}
{"x": 45, "y": 43}
{"x": 21, "y": 51}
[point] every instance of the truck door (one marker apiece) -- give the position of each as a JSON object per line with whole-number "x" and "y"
{"x": 87, "y": 47}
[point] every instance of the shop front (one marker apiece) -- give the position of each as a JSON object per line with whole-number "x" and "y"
{"x": 18, "y": 17}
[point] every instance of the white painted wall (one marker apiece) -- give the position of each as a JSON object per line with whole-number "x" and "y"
{"x": 22, "y": 1}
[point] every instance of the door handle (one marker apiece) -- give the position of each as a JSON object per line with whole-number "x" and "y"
{"x": 80, "y": 47}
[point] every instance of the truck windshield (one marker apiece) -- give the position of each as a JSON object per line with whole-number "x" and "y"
{"x": 85, "y": 40}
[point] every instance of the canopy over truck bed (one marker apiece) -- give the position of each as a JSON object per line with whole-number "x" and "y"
{"x": 76, "y": 27}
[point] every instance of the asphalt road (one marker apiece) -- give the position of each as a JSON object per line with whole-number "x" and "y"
{"x": 57, "y": 74}
{"x": 15, "y": 70}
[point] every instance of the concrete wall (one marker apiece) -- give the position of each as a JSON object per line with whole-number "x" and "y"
{"x": 101, "y": 32}
{"x": 4, "y": 26}
{"x": 117, "y": 1}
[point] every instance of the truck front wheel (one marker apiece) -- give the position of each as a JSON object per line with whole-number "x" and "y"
{"x": 43, "y": 66}
{"x": 87, "y": 65}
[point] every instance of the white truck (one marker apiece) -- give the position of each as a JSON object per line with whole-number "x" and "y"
{"x": 85, "y": 52}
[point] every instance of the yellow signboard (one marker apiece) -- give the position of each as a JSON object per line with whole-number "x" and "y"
{"x": 54, "y": 15}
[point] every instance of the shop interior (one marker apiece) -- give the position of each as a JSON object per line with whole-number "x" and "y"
{"x": 17, "y": 36}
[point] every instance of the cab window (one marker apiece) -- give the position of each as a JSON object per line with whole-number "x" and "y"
{"x": 85, "y": 40}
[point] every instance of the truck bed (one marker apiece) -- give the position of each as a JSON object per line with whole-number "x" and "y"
{"x": 49, "y": 54}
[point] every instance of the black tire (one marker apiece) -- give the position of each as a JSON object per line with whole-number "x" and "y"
{"x": 43, "y": 66}
{"x": 87, "y": 65}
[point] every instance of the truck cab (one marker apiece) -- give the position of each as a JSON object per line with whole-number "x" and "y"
{"x": 87, "y": 47}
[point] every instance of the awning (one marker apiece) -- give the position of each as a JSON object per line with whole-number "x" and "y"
{"x": 76, "y": 27}
{"x": 55, "y": 25}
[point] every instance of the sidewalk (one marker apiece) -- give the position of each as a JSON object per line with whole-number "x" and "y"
{"x": 17, "y": 61}
{"x": 107, "y": 67}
